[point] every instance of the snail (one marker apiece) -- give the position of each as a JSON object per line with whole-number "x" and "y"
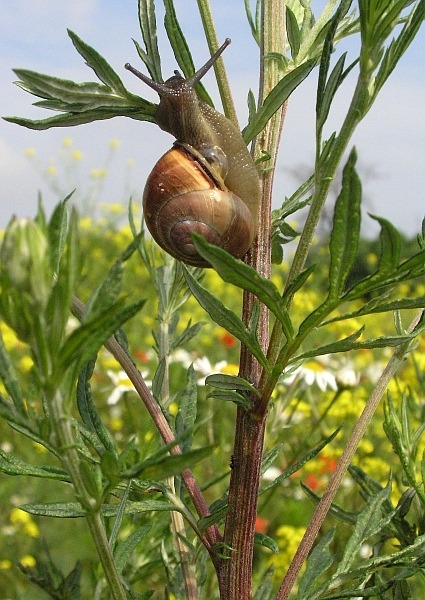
{"x": 207, "y": 182}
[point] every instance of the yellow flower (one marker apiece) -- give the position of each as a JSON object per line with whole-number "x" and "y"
{"x": 67, "y": 142}
{"x": 86, "y": 223}
{"x": 26, "y": 363}
{"x": 98, "y": 173}
{"x": 28, "y": 561}
{"x": 30, "y": 152}
{"x": 5, "y": 564}
{"x": 9, "y": 337}
{"x": 116, "y": 423}
{"x": 148, "y": 436}
{"x": 113, "y": 208}
{"x": 113, "y": 144}
{"x": 173, "y": 409}
{"x": 288, "y": 540}
{"x": 19, "y": 517}
{"x": 77, "y": 154}
{"x": 52, "y": 170}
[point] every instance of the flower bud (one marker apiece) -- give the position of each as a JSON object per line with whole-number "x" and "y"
{"x": 24, "y": 260}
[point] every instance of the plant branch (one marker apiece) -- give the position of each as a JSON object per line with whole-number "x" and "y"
{"x": 219, "y": 69}
{"x": 212, "y": 534}
{"x": 343, "y": 463}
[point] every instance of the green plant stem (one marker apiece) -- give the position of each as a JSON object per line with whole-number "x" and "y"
{"x": 211, "y": 535}
{"x": 343, "y": 463}
{"x": 220, "y": 72}
{"x": 71, "y": 461}
{"x": 235, "y": 574}
{"x": 324, "y": 175}
{"x": 177, "y": 522}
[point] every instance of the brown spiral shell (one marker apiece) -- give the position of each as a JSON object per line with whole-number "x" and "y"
{"x": 184, "y": 194}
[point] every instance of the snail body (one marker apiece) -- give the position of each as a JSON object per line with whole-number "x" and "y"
{"x": 207, "y": 183}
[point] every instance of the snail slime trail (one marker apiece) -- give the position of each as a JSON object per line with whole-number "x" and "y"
{"x": 207, "y": 182}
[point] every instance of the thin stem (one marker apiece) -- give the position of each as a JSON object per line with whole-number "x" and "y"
{"x": 343, "y": 464}
{"x": 219, "y": 69}
{"x": 177, "y": 521}
{"x": 211, "y": 535}
{"x": 71, "y": 461}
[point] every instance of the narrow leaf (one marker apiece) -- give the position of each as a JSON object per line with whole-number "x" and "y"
{"x": 168, "y": 466}
{"x": 293, "y": 32}
{"x": 99, "y": 65}
{"x": 230, "y": 382}
{"x": 347, "y": 344}
{"x": 238, "y": 273}
{"x": 296, "y": 466}
{"x": 125, "y": 548}
{"x": 261, "y": 539}
{"x": 276, "y": 98}
{"x": 147, "y": 22}
{"x": 188, "y": 408}
{"x": 85, "y": 341}
{"x": 346, "y": 229}
{"x": 318, "y": 562}
{"x": 14, "y": 466}
{"x": 88, "y": 411}
{"x": 225, "y": 318}
{"x": 145, "y": 112}
{"x": 368, "y": 523}
{"x": 74, "y": 510}
{"x": 231, "y": 396}
{"x": 181, "y": 49}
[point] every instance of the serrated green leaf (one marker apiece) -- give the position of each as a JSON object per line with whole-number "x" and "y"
{"x": 106, "y": 293}
{"x": 168, "y": 466}
{"x": 57, "y": 230}
{"x": 236, "y": 272}
{"x": 347, "y": 344}
{"x": 390, "y": 247}
{"x": 125, "y": 548}
{"x": 368, "y": 523}
{"x": 145, "y": 112}
{"x": 189, "y": 333}
{"x": 296, "y": 466}
{"x": 374, "y": 307}
{"x": 74, "y": 510}
{"x": 218, "y": 511}
{"x": 181, "y": 49}
{"x": 276, "y": 98}
{"x": 188, "y": 408}
{"x": 345, "y": 230}
{"x": 319, "y": 561}
{"x": 226, "y": 318}
{"x": 85, "y": 341}
{"x": 99, "y": 65}
{"x": 147, "y": 22}
{"x": 87, "y": 408}
{"x": 11, "y": 465}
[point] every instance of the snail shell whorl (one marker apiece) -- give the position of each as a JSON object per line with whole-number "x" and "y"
{"x": 182, "y": 195}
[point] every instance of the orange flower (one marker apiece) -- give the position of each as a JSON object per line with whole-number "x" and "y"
{"x": 261, "y": 524}
{"x": 227, "y": 340}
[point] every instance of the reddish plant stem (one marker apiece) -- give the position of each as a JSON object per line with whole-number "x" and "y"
{"x": 235, "y": 575}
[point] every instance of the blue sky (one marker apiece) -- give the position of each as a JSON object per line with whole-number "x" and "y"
{"x": 390, "y": 141}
